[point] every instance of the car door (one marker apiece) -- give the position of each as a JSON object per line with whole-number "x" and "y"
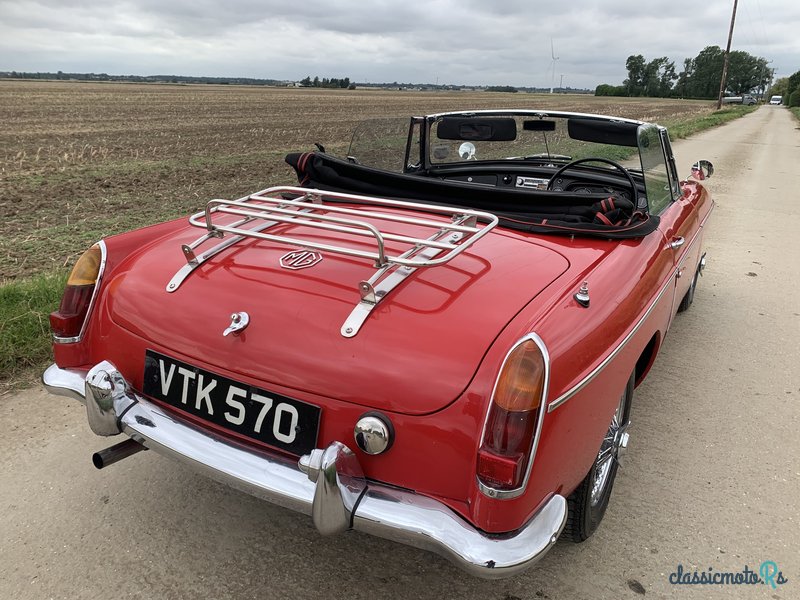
{"x": 678, "y": 216}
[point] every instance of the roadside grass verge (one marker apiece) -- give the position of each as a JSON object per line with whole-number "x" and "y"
{"x": 796, "y": 112}
{"x": 25, "y": 328}
{"x": 25, "y": 302}
{"x": 685, "y": 128}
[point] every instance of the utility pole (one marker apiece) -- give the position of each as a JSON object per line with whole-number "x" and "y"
{"x": 727, "y": 58}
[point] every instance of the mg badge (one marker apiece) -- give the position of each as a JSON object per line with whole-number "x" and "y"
{"x": 300, "y": 259}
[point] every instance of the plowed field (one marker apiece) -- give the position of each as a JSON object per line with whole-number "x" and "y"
{"x": 79, "y": 161}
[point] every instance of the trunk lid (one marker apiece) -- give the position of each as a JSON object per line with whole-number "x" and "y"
{"x": 416, "y": 352}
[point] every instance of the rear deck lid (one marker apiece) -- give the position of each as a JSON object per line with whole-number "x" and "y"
{"x": 416, "y": 352}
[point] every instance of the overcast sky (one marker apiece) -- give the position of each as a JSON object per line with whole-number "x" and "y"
{"x": 473, "y": 42}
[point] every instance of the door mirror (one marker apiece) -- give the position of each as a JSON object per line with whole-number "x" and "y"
{"x": 702, "y": 169}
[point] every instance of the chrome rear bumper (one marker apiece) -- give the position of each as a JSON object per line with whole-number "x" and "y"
{"x": 327, "y": 484}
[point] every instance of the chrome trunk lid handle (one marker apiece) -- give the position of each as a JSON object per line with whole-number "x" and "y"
{"x": 239, "y": 321}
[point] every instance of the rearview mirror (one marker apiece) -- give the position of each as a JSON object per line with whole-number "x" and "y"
{"x": 477, "y": 129}
{"x": 701, "y": 170}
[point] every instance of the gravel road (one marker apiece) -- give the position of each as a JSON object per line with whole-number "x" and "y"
{"x": 712, "y": 477}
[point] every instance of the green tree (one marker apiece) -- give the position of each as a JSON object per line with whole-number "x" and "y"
{"x": 706, "y": 73}
{"x": 681, "y": 87}
{"x": 792, "y": 85}
{"x": 659, "y": 74}
{"x": 635, "y": 82}
{"x": 610, "y": 90}
{"x": 701, "y": 75}
{"x": 652, "y": 78}
{"x": 746, "y": 73}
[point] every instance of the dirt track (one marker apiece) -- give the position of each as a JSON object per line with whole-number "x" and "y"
{"x": 712, "y": 478}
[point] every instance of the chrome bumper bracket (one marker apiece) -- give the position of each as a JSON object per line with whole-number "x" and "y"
{"x": 340, "y": 484}
{"x": 111, "y": 399}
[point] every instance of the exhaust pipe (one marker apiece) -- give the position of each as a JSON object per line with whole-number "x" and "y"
{"x": 116, "y": 453}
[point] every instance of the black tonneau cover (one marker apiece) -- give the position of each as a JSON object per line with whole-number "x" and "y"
{"x": 536, "y": 211}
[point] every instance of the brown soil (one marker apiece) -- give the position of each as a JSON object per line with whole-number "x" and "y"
{"x": 79, "y": 161}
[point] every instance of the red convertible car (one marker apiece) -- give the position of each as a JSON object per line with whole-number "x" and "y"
{"x": 434, "y": 339}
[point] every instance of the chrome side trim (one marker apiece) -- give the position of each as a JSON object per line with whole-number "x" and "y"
{"x": 79, "y": 337}
{"x": 596, "y": 371}
{"x": 554, "y": 404}
{"x": 508, "y": 494}
{"x": 391, "y": 513}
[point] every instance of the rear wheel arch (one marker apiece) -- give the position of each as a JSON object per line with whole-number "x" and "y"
{"x": 588, "y": 502}
{"x": 647, "y": 358}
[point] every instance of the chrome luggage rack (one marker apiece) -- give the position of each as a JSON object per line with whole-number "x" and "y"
{"x": 322, "y": 210}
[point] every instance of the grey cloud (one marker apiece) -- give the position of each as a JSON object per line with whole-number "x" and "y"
{"x": 468, "y": 41}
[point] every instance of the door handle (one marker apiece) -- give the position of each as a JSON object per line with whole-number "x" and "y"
{"x": 676, "y": 242}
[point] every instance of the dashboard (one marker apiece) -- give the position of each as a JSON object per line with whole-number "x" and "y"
{"x": 575, "y": 185}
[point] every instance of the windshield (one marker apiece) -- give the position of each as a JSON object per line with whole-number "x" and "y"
{"x": 535, "y": 138}
{"x": 515, "y": 137}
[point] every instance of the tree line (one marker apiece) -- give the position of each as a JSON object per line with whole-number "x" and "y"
{"x": 699, "y": 78}
{"x": 333, "y": 82}
{"x": 60, "y": 75}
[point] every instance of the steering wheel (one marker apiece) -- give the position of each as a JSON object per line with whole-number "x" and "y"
{"x": 616, "y": 165}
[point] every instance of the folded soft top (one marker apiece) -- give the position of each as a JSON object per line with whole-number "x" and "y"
{"x": 536, "y": 211}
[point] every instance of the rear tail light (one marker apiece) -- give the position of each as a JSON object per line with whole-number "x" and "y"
{"x": 68, "y": 321}
{"x": 507, "y": 446}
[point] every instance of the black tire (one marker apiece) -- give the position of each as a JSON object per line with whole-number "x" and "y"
{"x": 688, "y": 298}
{"x": 585, "y": 511}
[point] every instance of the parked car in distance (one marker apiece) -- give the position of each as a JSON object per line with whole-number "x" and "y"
{"x": 434, "y": 339}
{"x": 776, "y": 100}
{"x": 746, "y": 100}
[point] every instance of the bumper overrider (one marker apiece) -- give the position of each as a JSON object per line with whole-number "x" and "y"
{"x": 327, "y": 484}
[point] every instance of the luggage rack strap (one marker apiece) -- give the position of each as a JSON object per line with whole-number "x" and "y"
{"x": 320, "y": 210}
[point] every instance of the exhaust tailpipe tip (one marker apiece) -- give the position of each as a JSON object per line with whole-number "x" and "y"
{"x": 116, "y": 453}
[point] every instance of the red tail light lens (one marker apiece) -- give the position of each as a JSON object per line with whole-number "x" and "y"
{"x": 513, "y": 418}
{"x": 68, "y": 320}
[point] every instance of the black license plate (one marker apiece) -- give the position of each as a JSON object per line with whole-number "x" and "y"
{"x": 265, "y": 416}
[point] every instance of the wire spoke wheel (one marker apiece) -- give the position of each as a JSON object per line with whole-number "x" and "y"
{"x": 587, "y": 504}
{"x": 615, "y": 439}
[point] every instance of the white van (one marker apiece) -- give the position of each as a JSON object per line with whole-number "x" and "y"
{"x": 776, "y": 100}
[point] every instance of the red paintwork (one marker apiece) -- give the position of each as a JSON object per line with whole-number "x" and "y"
{"x": 293, "y": 338}
{"x": 428, "y": 357}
